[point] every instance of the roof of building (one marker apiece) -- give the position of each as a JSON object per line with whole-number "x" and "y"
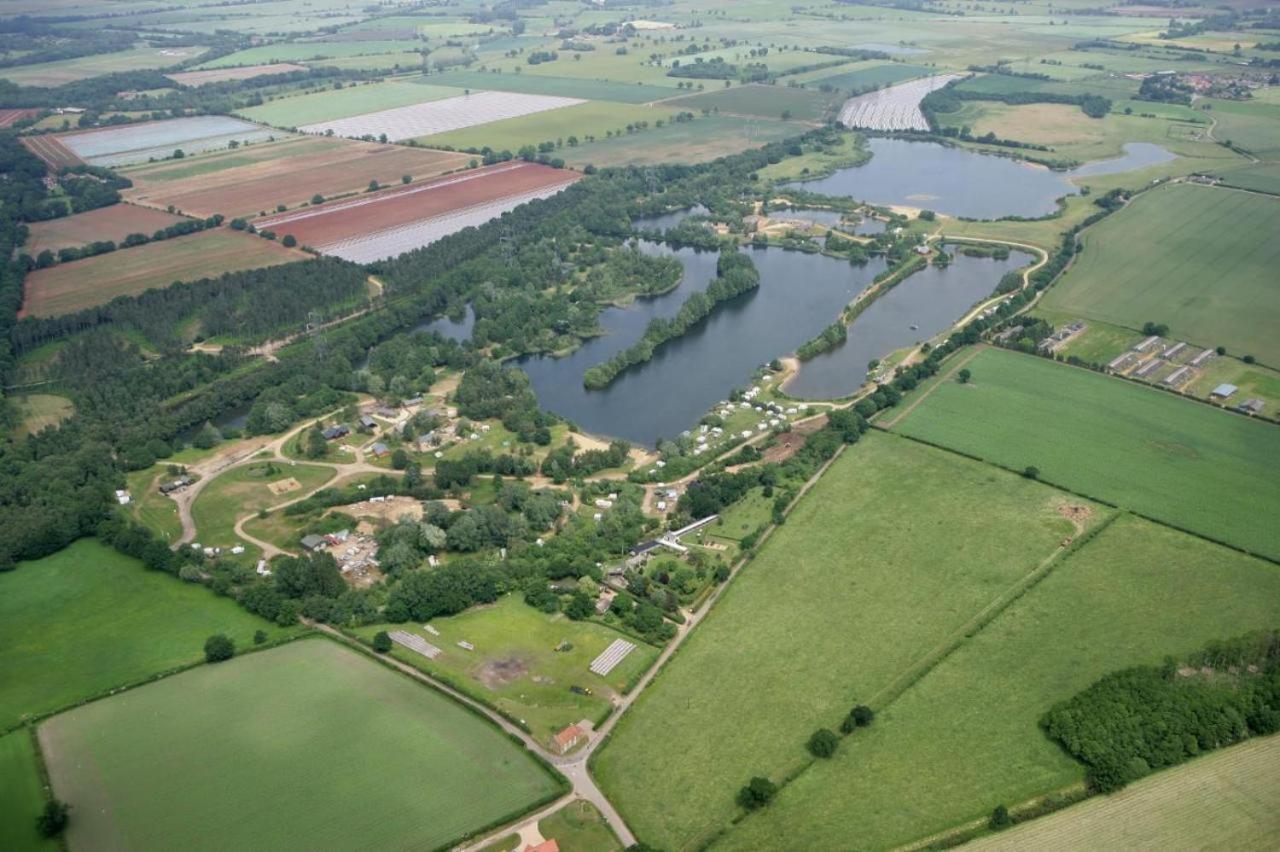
{"x": 568, "y": 736}
{"x": 311, "y": 542}
{"x": 544, "y": 846}
{"x": 380, "y": 448}
{"x": 1224, "y": 389}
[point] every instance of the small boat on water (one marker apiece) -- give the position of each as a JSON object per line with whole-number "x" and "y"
{"x": 915, "y": 328}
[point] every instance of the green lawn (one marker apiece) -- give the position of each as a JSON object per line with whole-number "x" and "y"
{"x": 966, "y": 737}
{"x": 151, "y": 508}
{"x": 579, "y": 827}
{"x": 516, "y": 668}
{"x": 21, "y": 794}
{"x": 243, "y": 491}
{"x": 1180, "y": 462}
{"x": 87, "y": 619}
{"x": 565, "y": 87}
{"x": 1201, "y": 260}
{"x": 594, "y": 118}
{"x": 307, "y": 746}
{"x": 763, "y": 101}
{"x": 329, "y": 105}
{"x": 892, "y": 552}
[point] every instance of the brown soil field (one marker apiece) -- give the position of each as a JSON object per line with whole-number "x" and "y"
{"x": 48, "y": 148}
{"x": 378, "y": 211}
{"x": 106, "y": 223}
{"x": 80, "y": 284}
{"x": 218, "y": 75}
{"x": 249, "y": 182}
{"x": 9, "y": 116}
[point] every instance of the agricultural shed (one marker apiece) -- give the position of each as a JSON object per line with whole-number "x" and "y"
{"x": 1223, "y": 391}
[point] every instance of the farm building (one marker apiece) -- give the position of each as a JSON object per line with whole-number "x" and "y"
{"x": 567, "y": 739}
{"x": 313, "y": 542}
{"x": 380, "y": 449}
{"x": 544, "y": 846}
{"x": 335, "y": 432}
{"x": 176, "y": 485}
{"x": 1223, "y": 391}
{"x": 368, "y": 422}
{"x": 1251, "y": 406}
{"x": 1147, "y": 344}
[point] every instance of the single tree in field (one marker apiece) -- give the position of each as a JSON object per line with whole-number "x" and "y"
{"x": 53, "y": 819}
{"x": 862, "y": 715}
{"x": 1000, "y": 818}
{"x": 382, "y": 642}
{"x": 758, "y": 793}
{"x": 218, "y": 648}
{"x": 823, "y": 743}
{"x": 1031, "y": 472}
{"x": 964, "y": 375}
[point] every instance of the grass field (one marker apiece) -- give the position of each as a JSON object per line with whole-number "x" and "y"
{"x": 243, "y": 491}
{"x": 594, "y": 118}
{"x": 1180, "y": 462}
{"x": 88, "y": 619}
{"x": 40, "y": 410}
{"x": 1263, "y": 177}
{"x": 565, "y": 87}
{"x": 307, "y": 746}
{"x": 579, "y": 827}
{"x": 1198, "y": 259}
{"x": 847, "y": 596}
{"x": 297, "y": 51}
{"x": 762, "y": 101}
{"x": 83, "y": 67}
{"x": 330, "y": 105}
{"x": 151, "y": 508}
{"x": 966, "y": 738}
{"x": 885, "y": 74}
{"x": 516, "y": 668}
{"x": 21, "y": 794}
{"x": 687, "y": 142}
{"x": 1228, "y": 799}
{"x": 79, "y": 284}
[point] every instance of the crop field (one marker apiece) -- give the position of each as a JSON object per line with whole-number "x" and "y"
{"x": 565, "y": 87}
{"x": 885, "y": 74}
{"x": 395, "y": 220}
{"x": 966, "y": 736}
{"x": 21, "y": 794}
{"x": 761, "y": 101}
{"x": 79, "y": 284}
{"x": 246, "y": 184}
{"x": 515, "y": 666}
{"x": 137, "y": 143}
{"x": 9, "y": 116}
{"x": 593, "y": 118}
{"x": 300, "y": 51}
{"x": 313, "y": 107}
{"x": 1228, "y": 799}
{"x": 88, "y": 619}
{"x": 894, "y": 108}
{"x": 243, "y": 491}
{"x": 1177, "y": 461}
{"x": 697, "y": 141}
{"x": 83, "y": 67}
{"x": 1252, "y": 125}
{"x": 38, "y": 411}
{"x": 426, "y": 119}
{"x": 1198, "y": 259}
{"x": 1262, "y": 177}
{"x": 310, "y": 745}
{"x": 219, "y": 75}
{"x": 788, "y": 660}
{"x": 106, "y": 223}
{"x": 54, "y": 154}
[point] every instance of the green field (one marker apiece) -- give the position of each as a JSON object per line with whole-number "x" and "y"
{"x": 1253, "y": 125}
{"x": 39, "y": 411}
{"x": 297, "y": 51}
{"x": 307, "y": 746}
{"x": 579, "y": 827}
{"x": 876, "y": 75}
{"x": 243, "y": 491}
{"x": 84, "y": 67}
{"x": 698, "y": 141}
{"x": 762, "y": 101}
{"x": 1201, "y": 260}
{"x": 565, "y": 87}
{"x": 849, "y": 595}
{"x": 88, "y": 619}
{"x": 516, "y": 668}
{"x": 594, "y": 118}
{"x": 966, "y": 737}
{"x": 21, "y": 794}
{"x": 1262, "y": 177}
{"x": 1228, "y": 799}
{"x": 329, "y": 105}
{"x": 1180, "y": 462}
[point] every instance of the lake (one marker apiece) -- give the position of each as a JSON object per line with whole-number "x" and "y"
{"x": 1137, "y": 155}
{"x": 799, "y": 295}
{"x": 931, "y": 299}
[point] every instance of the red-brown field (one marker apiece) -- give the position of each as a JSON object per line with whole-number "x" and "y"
{"x": 389, "y": 208}
{"x": 250, "y": 181}
{"x": 48, "y": 148}
{"x": 106, "y": 223}
{"x": 9, "y": 116}
{"x": 218, "y": 75}
{"x": 80, "y": 284}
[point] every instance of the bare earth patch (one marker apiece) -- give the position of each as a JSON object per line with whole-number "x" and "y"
{"x": 495, "y": 674}
{"x": 284, "y": 486}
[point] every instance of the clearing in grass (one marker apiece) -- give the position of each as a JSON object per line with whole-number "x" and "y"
{"x": 1228, "y": 799}
{"x": 966, "y": 737}
{"x": 38, "y": 411}
{"x": 1198, "y": 259}
{"x": 88, "y": 619}
{"x": 892, "y": 552}
{"x": 311, "y": 745}
{"x": 69, "y": 287}
{"x": 1180, "y": 462}
{"x": 21, "y": 794}
{"x": 525, "y": 662}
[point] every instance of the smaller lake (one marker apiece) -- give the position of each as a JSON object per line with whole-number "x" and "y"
{"x": 931, "y": 299}
{"x": 1137, "y": 155}
{"x": 446, "y": 327}
{"x": 668, "y": 220}
{"x": 829, "y": 218}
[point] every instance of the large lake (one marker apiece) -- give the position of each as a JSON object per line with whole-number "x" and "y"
{"x": 931, "y": 300}
{"x": 963, "y": 183}
{"x": 799, "y": 295}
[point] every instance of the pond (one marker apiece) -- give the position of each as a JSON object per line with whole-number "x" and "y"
{"x": 668, "y": 220}
{"x": 799, "y": 295}
{"x": 924, "y": 304}
{"x": 1137, "y": 155}
{"x": 446, "y": 327}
